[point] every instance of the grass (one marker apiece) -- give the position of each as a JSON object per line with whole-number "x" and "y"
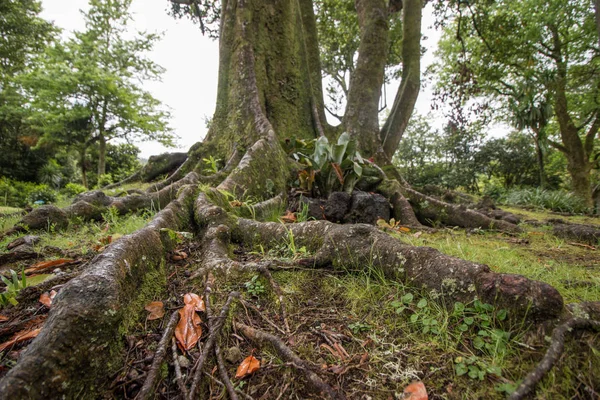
{"x": 460, "y": 351}
{"x": 82, "y": 237}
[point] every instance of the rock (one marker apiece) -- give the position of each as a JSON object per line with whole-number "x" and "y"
{"x": 46, "y": 217}
{"x": 367, "y": 208}
{"x": 95, "y": 197}
{"x": 337, "y": 206}
{"x": 233, "y": 355}
{"x": 28, "y": 241}
{"x": 581, "y": 233}
{"x": 512, "y": 218}
{"x": 316, "y": 207}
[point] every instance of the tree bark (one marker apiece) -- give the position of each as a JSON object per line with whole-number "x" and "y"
{"x": 101, "y": 156}
{"x": 361, "y": 116}
{"x": 579, "y": 165}
{"x": 407, "y": 94}
{"x": 84, "y": 181}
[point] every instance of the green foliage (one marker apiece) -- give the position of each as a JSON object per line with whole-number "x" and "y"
{"x": 22, "y": 194}
{"x": 359, "y": 327}
{"x": 73, "y": 189}
{"x": 43, "y": 194}
{"x": 88, "y": 89}
{"x": 328, "y": 167}
{"x": 211, "y": 165}
{"x": 254, "y": 287}
{"x": 545, "y": 199}
{"x": 13, "y": 287}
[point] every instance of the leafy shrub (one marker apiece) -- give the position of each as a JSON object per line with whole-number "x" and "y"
{"x": 328, "y": 167}
{"x": 545, "y": 199}
{"x": 73, "y": 189}
{"x": 20, "y": 194}
{"x": 42, "y": 193}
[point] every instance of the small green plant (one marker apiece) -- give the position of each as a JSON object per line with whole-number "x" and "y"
{"x": 211, "y": 165}
{"x": 111, "y": 216}
{"x": 328, "y": 167}
{"x": 475, "y": 368}
{"x": 359, "y": 327}
{"x": 13, "y": 287}
{"x": 254, "y": 286}
{"x": 290, "y": 247}
{"x": 73, "y": 189}
{"x": 302, "y": 214}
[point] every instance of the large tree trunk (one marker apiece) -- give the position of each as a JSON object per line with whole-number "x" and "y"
{"x": 268, "y": 65}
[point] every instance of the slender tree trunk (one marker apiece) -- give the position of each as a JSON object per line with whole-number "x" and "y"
{"x": 84, "y": 181}
{"x": 101, "y": 155}
{"x": 539, "y": 151}
{"x": 579, "y": 165}
{"x": 361, "y": 116}
{"x": 407, "y": 94}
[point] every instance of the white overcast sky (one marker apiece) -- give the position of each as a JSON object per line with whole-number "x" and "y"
{"x": 189, "y": 84}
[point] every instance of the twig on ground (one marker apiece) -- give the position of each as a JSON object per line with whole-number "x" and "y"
{"x": 557, "y": 345}
{"x": 287, "y": 354}
{"x": 178, "y": 376}
{"x": 218, "y": 382}
{"x": 223, "y": 373}
{"x": 148, "y": 387}
{"x": 268, "y": 321}
{"x": 210, "y": 341}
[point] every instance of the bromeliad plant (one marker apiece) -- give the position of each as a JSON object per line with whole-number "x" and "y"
{"x": 329, "y": 167}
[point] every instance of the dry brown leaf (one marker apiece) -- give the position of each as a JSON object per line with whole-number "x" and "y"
{"x": 46, "y": 298}
{"x": 289, "y": 217}
{"x": 3, "y": 318}
{"x": 188, "y": 331}
{"x": 236, "y": 203}
{"x": 20, "y": 337}
{"x": 415, "y": 391}
{"x": 48, "y": 264}
{"x": 248, "y": 366}
{"x": 194, "y": 300}
{"x": 156, "y": 310}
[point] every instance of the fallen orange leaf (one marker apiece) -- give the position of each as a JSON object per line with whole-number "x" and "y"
{"x": 403, "y": 229}
{"x": 20, "y": 337}
{"x": 46, "y": 298}
{"x": 289, "y": 217}
{"x": 47, "y": 264}
{"x": 415, "y": 391}
{"x": 156, "y": 310}
{"x": 3, "y": 318}
{"x": 194, "y": 300}
{"x": 188, "y": 330}
{"x": 248, "y": 366}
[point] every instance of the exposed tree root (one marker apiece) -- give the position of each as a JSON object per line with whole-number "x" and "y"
{"x": 208, "y": 345}
{"x": 263, "y": 338}
{"x": 178, "y": 375}
{"x": 557, "y": 345}
{"x": 161, "y": 351}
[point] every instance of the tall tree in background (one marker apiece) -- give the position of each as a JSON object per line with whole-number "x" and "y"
{"x": 97, "y": 76}
{"x": 499, "y": 51}
{"x": 22, "y": 34}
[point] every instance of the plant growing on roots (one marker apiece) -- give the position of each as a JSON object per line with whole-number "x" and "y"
{"x": 13, "y": 287}
{"x": 329, "y": 167}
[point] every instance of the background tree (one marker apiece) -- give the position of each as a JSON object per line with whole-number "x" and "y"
{"x": 97, "y": 75}
{"x": 22, "y": 34}
{"x": 497, "y": 51}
